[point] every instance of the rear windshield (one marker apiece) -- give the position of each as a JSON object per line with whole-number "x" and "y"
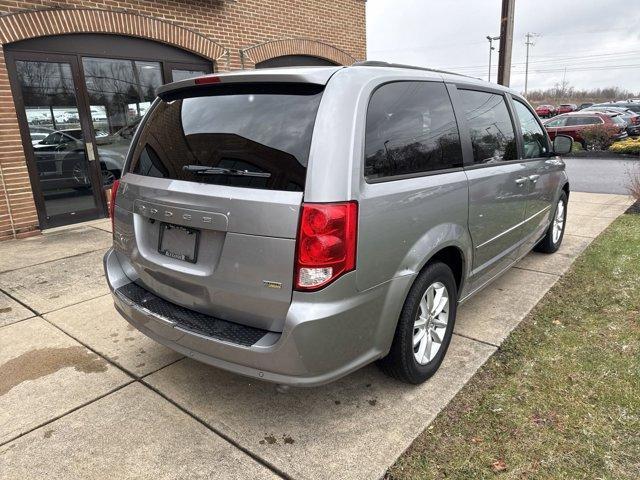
{"x": 254, "y": 136}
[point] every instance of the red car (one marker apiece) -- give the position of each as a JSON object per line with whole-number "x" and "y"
{"x": 573, "y": 124}
{"x": 567, "y": 107}
{"x": 545, "y": 111}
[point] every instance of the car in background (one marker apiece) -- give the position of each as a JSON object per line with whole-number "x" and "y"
{"x": 566, "y": 108}
{"x": 545, "y": 111}
{"x": 584, "y": 105}
{"x": 633, "y": 106}
{"x": 61, "y": 160}
{"x": 38, "y": 133}
{"x": 575, "y": 123}
{"x": 629, "y": 116}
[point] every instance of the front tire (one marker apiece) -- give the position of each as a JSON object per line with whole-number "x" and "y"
{"x": 555, "y": 233}
{"x": 425, "y": 326}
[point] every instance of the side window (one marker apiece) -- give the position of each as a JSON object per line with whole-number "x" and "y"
{"x": 410, "y": 128}
{"x": 533, "y": 138}
{"x": 490, "y": 127}
{"x": 583, "y": 121}
{"x": 560, "y": 122}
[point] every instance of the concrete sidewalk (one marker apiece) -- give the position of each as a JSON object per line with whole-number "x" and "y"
{"x": 84, "y": 395}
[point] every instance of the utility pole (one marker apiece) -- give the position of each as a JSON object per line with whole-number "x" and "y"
{"x": 506, "y": 42}
{"x": 491, "y": 49}
{"x": 528, "y": 43}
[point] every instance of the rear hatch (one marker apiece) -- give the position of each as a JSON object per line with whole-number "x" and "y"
{"x": 207, "y": 213}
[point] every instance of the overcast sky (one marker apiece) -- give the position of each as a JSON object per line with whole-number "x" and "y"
{"x": 598, "y": 41}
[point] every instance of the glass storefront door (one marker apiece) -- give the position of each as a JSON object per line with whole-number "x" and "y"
{"x": 78, "y": 110}
{"x": 61, "y": 150}
{"x": 119, "y": 92}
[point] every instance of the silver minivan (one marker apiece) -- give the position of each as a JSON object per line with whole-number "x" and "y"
{"x": 296, "y": 224}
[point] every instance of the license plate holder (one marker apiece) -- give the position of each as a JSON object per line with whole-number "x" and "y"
{"x": 176, "y": 241}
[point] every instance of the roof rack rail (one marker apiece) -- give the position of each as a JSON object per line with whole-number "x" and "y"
{"x": 376, "y": 63}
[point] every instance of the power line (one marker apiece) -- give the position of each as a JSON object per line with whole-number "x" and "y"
{"x": 556, "y": 59}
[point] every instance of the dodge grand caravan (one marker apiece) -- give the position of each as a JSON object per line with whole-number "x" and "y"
{"x": 296, "y": 224}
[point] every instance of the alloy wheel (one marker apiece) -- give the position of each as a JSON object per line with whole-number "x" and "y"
{"x": 430, "y": 325}
{"x": 108, "y": 177}
{"x": 80, "y": 174}
{"x": 558, "y": 222}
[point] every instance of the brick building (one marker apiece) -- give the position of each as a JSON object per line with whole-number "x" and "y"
{"x": 76, "y": 76}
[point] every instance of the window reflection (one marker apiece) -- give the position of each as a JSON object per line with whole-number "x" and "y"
{"x": 411, "y": 128}
{"x": 57, "y": 141}
{"x": 181, "y": 74}
{"x": 120, "y": 93}
{"x": 490, "y": 126}
{"x": 266, "y": 132}
{"x": 534, "y": 139}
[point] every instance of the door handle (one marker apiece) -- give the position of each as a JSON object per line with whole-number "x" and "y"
{"x": 521, "y": 181}
{"x": 553, "y": 162}
{"x": 90, "y": 155}
{"x": 534, "y": 178}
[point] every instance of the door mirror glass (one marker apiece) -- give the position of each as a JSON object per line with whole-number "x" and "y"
{"x": 562, "y": 144}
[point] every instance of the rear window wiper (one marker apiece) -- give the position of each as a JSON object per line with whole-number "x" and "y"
{"x": 202, "y": 170}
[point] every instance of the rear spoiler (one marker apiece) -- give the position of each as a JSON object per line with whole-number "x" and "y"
{"x": 309, "y": 75}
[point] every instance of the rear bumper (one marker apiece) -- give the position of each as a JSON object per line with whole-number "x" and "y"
{"x": 326, "y": 335}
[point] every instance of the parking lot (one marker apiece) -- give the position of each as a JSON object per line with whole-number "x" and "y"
{"x": 601, "y": 175}
{"x": 83, "y": 393}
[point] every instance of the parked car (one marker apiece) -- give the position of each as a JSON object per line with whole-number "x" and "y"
{"x": 545, "y": 111}
{"x": 575, "y": 123}
{"x": 61, "y": 160}
{"x": 294, "y": 225}
{"x": 633, "y": 106}
{"x": 38, "y": 133}
{"x": 566, "y": 108}
{"x": 584, "y": 105}
{"x": 631, "y": 118}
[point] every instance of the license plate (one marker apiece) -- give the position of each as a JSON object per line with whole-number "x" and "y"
{"x": 179, "y": 242}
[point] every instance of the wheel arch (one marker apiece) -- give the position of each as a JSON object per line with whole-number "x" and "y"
{"x": 449, "y": 243}
{"x": 453, "y": 257}
{"x": 451, "y": 253}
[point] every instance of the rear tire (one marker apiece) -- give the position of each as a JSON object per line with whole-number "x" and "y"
{"x": 555, "y": 233}
{"x": 425, "y": 326}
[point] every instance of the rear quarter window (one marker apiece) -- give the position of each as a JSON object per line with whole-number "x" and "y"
{"x": 243, "y": 135}
{"x": 410, "y": 130}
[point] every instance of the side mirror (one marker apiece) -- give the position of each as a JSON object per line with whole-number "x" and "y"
{"x": 562, "y": 144}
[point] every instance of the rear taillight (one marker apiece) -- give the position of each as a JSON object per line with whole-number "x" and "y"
{"x": 112, "y": 202}
{"x": 326, "y": 243}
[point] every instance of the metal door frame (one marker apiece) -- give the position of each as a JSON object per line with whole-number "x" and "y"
{"x": 100, "y": 209}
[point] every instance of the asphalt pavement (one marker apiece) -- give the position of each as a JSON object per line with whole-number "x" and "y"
{"x": 601, "y": 175}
